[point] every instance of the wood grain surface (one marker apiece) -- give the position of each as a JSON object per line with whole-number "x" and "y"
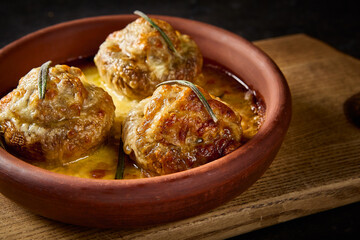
{"x": 317, "y": 168}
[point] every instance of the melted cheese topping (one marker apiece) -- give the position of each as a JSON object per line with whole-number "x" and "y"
{"x": 102, "y": 164}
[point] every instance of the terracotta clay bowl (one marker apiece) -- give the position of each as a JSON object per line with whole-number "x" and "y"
{"x": 142, "y": 202}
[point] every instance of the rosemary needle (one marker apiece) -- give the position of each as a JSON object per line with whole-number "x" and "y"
{"x": 197, "y": 93}
{"x": 121, "y": 163}
{"x": 42, "y": 79}
{"x": 2, "y": 140}
{"x": 162, "y": 33}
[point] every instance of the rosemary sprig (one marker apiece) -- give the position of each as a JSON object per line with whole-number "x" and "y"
{"x": 2, "y": 140}
{"x": 121, "y": 163}
{"x": 197, "y": 93}
{"x": 42, "y": 79}
{"x": 163, "y": 34}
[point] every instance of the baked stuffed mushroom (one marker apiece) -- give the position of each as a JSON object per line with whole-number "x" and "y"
{"x": 71, "y": 120}
{"x": 171, "y": 131}
{"x": 137, "y": 58}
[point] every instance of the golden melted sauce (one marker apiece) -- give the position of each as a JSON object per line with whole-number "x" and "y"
{"x": 220, "y": 83}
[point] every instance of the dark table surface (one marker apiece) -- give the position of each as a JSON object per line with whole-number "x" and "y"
{"x": 334, "y": 22}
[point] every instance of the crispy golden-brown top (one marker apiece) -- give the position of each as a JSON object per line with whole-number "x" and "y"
{"x": 135, "y": 59}
{"x": 72, "y": 119}
{"x": 172, "y": 131}
{"x": 65, "y": 96}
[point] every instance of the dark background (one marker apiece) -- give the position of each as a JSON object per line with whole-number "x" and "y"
{"x": 334, "y": 22}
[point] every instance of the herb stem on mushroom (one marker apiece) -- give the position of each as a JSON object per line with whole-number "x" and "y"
{"x": 162, "y": 33}
{"x": 42, "y": 79}
{"x": 197, "y": 93}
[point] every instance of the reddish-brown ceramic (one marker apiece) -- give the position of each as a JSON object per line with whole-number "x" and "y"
{"x": 141, "y": 202}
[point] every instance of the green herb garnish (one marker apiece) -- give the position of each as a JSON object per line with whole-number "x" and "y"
{"x": 2, "y": 140}
{"x": 121, "y": 163}
{"x": 163, "y": 34}
{"x": 196, "y": 91}
{"x": 43, "y": 77}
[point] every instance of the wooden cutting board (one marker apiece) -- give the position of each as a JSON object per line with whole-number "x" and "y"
{"x": 317, "y": 168}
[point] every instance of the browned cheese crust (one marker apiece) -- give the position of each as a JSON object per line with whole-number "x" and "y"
{"x": 172, "y": 131}
{"x": 73, "y": 118}
{"x": 137, "y": 58}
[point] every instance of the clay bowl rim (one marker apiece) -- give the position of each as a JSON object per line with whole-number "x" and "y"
{"x": 38, "y": 177}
